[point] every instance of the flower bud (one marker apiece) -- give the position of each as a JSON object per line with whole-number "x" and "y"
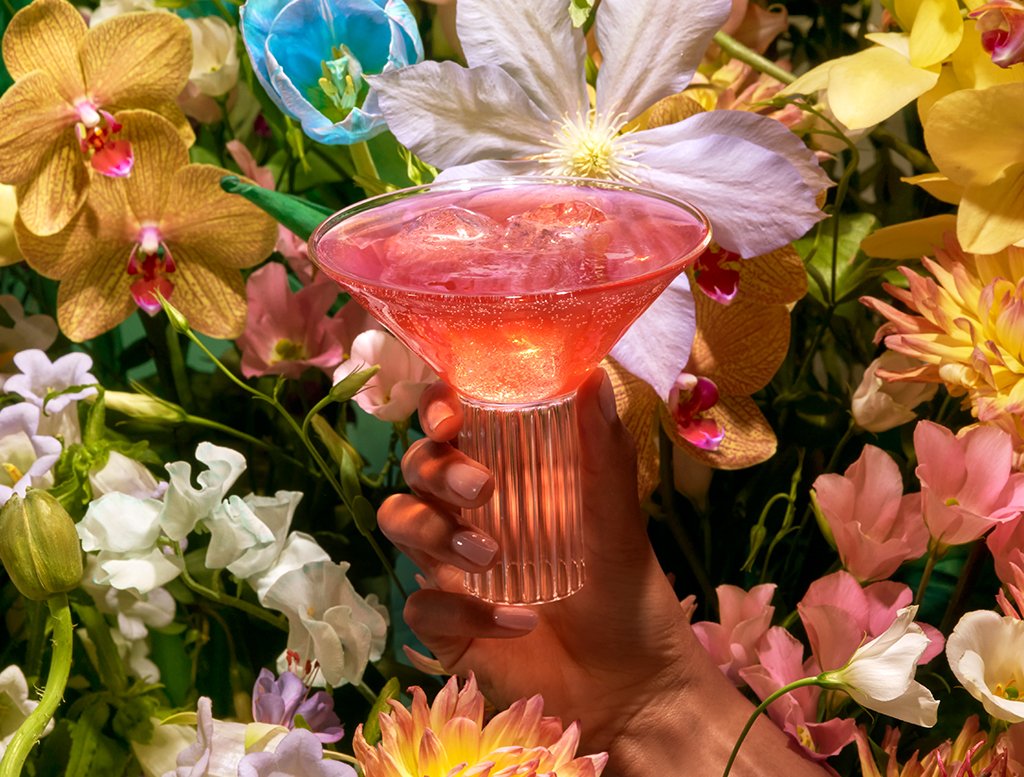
{"x": 880, "y": 404}
{"x": 143, "y": 406}
{"x": 39, "y": 546}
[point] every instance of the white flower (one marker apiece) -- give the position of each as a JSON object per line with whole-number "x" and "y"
{"x": 879, "y": 404}
{"x": 328, "y": 622}
{"x": 26, "y": 457}
{"x": 126, "y": 475}
{"x": 135, "y": 612}
{"x": 880, "y": 674}
{"x": 185, "y": 506}
{"x": 393, "y": 393}
{"x": 37, "y": 331}
{"x": 299, "y": 549}
{"x": 108, "y": 9}
{"x": 986, "y": 653}
{"x": 39, "y": 377}
{"x": 214, "y": 55}
{"x": 247, "y": 535}
{"x": 522, "y": 107}
{"x": 15, "y": 705}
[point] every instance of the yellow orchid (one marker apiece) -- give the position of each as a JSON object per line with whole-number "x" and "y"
{"x": 9, "y": 253}
{"x": 59, "y": 122}
{"x": 974, "y": 137}
{"x": 968, "y": 332}
{"x": 168, "y": 227}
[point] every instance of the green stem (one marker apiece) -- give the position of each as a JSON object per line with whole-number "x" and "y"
{"x": 757, "y": 712}
{"x": 737, "y": 50}
{"x": 178, "y": 369}
{"x": 964, "y": 583}
{"x": 231, "y": 601}
{"x": 926, "y": 575}
{"x": 211, "y": 424}
{"x": 29, "y": 732}
{"x": 918, "y": 159}
{"x": 367, "y": 692}
{"x": 366, "y": 169}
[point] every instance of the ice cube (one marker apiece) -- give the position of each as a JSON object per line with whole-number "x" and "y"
{"x": 570, "y": 215}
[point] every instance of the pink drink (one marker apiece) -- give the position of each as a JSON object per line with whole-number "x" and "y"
{"x": 512, "y": 294}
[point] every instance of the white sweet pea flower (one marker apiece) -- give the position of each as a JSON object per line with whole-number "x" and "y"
{"x": 986, "y": 653}
{"x": 393, "y": 393}
{"x": 299, "y": 549}
{"x": 247, "y": 535}
{"x": 522, "y": 107}
{"x": 880, "y": 674}
{"x": 26, "y": 456}
{"x": 214, "y": 55}
{"x": 126, "y": 475}
{"x": 328, "y": 622}
{"x": 15, "y": 705}
{"x": 185, "y": 506}
{"x": 135, "y": 612}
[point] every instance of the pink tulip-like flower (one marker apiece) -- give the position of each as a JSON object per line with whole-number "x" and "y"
{"x": 967, "y": 487}
{"x": 449, "y": 737}
{"x": 745, "y": 617}
{"x": 1005, "y": 543}
{"x": 839, "y": 616}
{"x": 286, "y": 332}
{"x": 1001, "y": 24}
{"x": 879, "y": 404}
{"x": 393, "y": 393}
{"x": 781, "y": 662}
{"x": 876, "y": 528}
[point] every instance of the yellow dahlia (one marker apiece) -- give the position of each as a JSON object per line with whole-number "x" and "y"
{"x": 968, "y": 332}
{"x": 449, "y": 739}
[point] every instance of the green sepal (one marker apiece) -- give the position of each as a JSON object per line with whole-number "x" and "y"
{"x": 365, "y": 515}
{"x": 371, "y": 729}
{"x": 350, "y": 385}
{"x": 299, "y": 215}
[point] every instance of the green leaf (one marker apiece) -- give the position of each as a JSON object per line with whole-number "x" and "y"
{"x": 371, "y": 729}
{"x": 92, "y": 752}
{"x": 365, "y": 515}
{"x": 580, "y": 12}
{"x": 133, "y": 721}
{"x": 299, "y": 215}
{"x": 818, "y": 248}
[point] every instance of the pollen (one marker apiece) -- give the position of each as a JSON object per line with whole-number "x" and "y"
{"x": 591, "y": 147}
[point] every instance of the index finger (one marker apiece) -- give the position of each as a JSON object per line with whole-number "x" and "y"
{"x": 440, "y": 412}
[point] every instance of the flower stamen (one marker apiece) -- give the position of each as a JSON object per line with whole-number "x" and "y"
{"x": 96, "y": 137}
{"x": 594, "y": 147}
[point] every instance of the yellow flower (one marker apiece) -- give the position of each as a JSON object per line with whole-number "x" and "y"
{"x": 60, "y": 118}
{"x": 968, "y": 334}
{"x": 9, "y": 253}
{"x": 168, "y": 227}
{"x": 974, "y": 136}
{"x": 449, "y": 738}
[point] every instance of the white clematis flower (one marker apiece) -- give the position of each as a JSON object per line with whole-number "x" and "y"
{"x": 328, "y": 622}
{"x": 986, "y": 653}
{"x": 522, "y": 108}
{"x": 880, "y": 674}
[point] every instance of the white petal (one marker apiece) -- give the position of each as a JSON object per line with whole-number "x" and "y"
{"x": 299, "y": 550}
{"x": 740, "y": 196}
{"x": 449, "y": 115}
{"x": 123, "y": 474}
{"x": 185, "y": 505}
{"x": 887, "y": 675}
{"x": 983, "y": 650}
{"x": 537, "y": 45}
{"x": 141, "y": 573}
{"x": 120, "y": 523}
{"x": 916, "y": 705}
{"x": 651, "y": 48}
{"x": 488, "y": 168}
{"x": 657, "y": 346}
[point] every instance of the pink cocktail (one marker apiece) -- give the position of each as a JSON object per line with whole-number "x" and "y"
{"x": 513, "y": 290}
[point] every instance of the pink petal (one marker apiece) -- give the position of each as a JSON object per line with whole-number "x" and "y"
{"x": 115, "y": 159}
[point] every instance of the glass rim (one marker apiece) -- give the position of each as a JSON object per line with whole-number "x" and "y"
{"x": 505, "y": 181}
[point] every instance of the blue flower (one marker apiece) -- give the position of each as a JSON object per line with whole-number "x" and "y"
{"x": 311, "y": 55}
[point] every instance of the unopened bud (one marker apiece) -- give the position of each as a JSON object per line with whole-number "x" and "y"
{"x": 39, "y": 546}
{"x": 144, "y": 407}
{"x": 175, "y": 316}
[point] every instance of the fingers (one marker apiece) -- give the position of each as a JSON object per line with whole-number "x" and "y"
{"x": 438, "y": 470}
{"x": 447, "y": 623}
{"x": 423, "y": 528}
{"x": 440, "y": 412}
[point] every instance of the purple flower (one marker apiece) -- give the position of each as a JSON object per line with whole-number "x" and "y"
{"x": 299, "y": 754}
{"x": 280, "y": 701}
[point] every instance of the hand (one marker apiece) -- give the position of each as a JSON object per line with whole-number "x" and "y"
{"x": 619, "y": 655}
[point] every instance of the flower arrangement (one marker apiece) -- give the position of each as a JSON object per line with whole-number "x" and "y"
{"x": 205, "y": 444}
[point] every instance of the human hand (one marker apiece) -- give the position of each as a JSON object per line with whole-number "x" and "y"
{"x": 618, "y": 656}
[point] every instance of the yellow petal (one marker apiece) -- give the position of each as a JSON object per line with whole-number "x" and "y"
{"x": 97, "y": 296}
{"x": 870, "y": 86}
{"x": 46, "y": 36}
{"x": 211, "y": 297}
{"x": 975, "y": 134}
{"x": 748, "y": 440}
{"x": 33, "y": 116}
{"x": 738, "y": 346}
{"x": 991, "y": 217}
{"x": 137, "y": 56}
{"x": 173, "y": 114}
{"x": 49, "y": 200}
{"x": 814, "y": 80}
{"x": 639, "y": 407}
{"x": 910, "y": 240}
{"x": 935, "y": 32}
{"x": 776, "y": 277}
{"x": 159, "y": 154}
{"x": 222, "y": 228}
{"x": 938, "y": 186}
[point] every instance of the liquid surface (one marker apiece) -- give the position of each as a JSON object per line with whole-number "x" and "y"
{"x": 512, "y": 294}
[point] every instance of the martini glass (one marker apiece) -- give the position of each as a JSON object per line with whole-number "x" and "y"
{"x": 513, "y": 290}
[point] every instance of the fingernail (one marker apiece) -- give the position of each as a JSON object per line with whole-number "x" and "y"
{"x": 515, "y": 618}
{"x": 437, "y": 414}
{"x": 606, "y": 399}
{"x": 476, "y": 548}
{"x": 466, "y": 481}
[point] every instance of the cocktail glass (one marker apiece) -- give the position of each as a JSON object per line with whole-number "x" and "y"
{"x": 513, "y": 290}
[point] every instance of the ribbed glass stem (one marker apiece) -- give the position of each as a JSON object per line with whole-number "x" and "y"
{"x": 536, "y": 513}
